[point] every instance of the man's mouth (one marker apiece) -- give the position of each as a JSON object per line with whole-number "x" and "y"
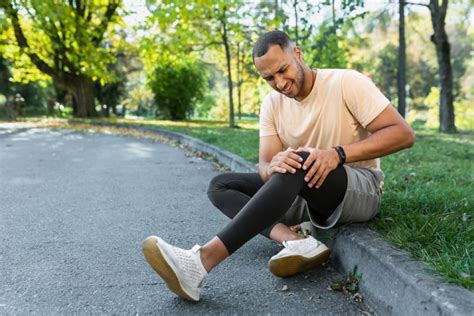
{"x": 287, "y": 89}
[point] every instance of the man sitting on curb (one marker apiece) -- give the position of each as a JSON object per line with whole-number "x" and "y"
{"x": 321, "y": 134}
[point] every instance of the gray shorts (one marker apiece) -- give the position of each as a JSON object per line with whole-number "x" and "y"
{"x": 360, "y": 204}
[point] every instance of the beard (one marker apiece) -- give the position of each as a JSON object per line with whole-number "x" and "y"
{"x": 299, "y": 80}
{"x": 299, "y": 77}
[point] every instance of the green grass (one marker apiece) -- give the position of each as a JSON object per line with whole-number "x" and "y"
{"x": 427, "y": 206}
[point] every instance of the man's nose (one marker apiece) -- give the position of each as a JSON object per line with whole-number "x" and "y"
{"x": 280, "y": 82}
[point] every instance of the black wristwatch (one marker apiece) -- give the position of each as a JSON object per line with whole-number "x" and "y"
{"x": 342, "y": 154}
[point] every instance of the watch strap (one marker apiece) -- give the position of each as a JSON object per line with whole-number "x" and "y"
{"x": 341, "y": 154}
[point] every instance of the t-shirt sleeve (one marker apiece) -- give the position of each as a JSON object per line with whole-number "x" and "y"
{"x": 267, "y": 122}
{"x": 364, "y": 100}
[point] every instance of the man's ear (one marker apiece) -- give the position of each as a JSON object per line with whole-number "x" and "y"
{"x": 298, "y": 53}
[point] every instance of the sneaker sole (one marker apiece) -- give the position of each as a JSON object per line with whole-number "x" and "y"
{"x": 291, "y": 265}
{"x": 158, "y": 262}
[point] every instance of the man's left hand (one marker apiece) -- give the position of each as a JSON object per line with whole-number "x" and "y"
{"x": 325, "y": 161}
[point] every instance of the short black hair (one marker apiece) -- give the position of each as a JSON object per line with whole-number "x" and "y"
{"x": 269, "y": 39}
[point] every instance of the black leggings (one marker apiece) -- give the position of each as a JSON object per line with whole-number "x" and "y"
{"x": 255, "y": 207}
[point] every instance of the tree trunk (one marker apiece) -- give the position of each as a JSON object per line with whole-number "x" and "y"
{"x": 401, "y": 61}
{"x": 239, "y": 80}
{"x": 82, "y": 89}
{"x": 443, "y": 52}
{"x": 295, "y": 9}
{"x": 229, "y": 75}
{"x": 333, "y": 9}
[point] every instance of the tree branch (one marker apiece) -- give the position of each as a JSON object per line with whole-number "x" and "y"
{"x": 50, "y": 28}
{"x": 419, "y": 4}
{"x": 80, "y": 9}
{"x": 444, "y": 10}
{"x": 204, "y": 46}
{"x": 111, "y": 7}
{"x": 23, "y": 43}
{"x": 64, "y": 49}
{"x": 64, "y": 58}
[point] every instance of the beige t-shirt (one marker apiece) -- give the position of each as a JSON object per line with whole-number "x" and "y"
{"x": 336, "y": 112}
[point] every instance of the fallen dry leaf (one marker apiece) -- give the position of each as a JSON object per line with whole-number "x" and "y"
{"x": 357, "y": 297}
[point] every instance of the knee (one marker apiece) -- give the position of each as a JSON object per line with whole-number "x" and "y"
{"x": 217, "y": 184}
{"x": 288, "y": 176}
{"x": 303, "y": 154}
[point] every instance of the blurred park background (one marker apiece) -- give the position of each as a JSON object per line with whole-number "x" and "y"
{"x": 192, "y": 59}
{"x": 186, "y": 66}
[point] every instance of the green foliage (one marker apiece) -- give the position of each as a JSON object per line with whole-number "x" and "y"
{"x": 57, "y": 29}
{"x": 203, "y": 107}
{"x": 177, "y": 87}
{"x": 110, "y": 94}
{"x": 420, "y": 75}
{"x": 385, "y": 74}
{"x": 5, "y": 85}
{"x": 35, "y": 93}
{"x": 349, "y": 284}
{"x": 139, "y": 101}
{"x": 328, "y": 49}
{"x": 429, "y": 115}
{"x": 70, "y": 43}
{"x": 464, "y": 114}
{"x": 213, "y": 89}
{"x": 186, "y": 28}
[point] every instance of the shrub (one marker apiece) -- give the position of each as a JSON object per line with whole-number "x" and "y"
{"x": 177, "y": 87}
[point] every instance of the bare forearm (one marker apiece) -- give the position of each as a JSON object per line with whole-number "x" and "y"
{"x": 262, "y": 170}
{"x": 383, "y": 142}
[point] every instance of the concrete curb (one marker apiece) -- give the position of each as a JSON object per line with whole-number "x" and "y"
{"x": 392, "y": 282}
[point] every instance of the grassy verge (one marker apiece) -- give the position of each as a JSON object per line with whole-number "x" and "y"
{"x": 427, "y": 208}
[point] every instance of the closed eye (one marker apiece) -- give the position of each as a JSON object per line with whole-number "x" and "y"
{"x": 280, "y": 71}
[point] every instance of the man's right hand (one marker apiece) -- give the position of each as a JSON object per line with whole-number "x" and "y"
{"x": 284, "y": 161}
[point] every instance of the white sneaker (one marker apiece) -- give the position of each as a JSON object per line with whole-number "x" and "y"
{"x": 298, "y": 256}
{"x": 181, "y": 269}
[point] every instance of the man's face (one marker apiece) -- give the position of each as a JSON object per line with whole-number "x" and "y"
{"x": 282, "y": 69}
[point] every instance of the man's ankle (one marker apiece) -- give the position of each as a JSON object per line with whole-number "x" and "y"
{"x": 281, "y": 232}
{"x": 293, "y": 237}
{"x": 204, "y": 261}
{"x": 212, "y": 253}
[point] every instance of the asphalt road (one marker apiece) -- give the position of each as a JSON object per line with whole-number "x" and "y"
{"x": 74, "y": 209}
